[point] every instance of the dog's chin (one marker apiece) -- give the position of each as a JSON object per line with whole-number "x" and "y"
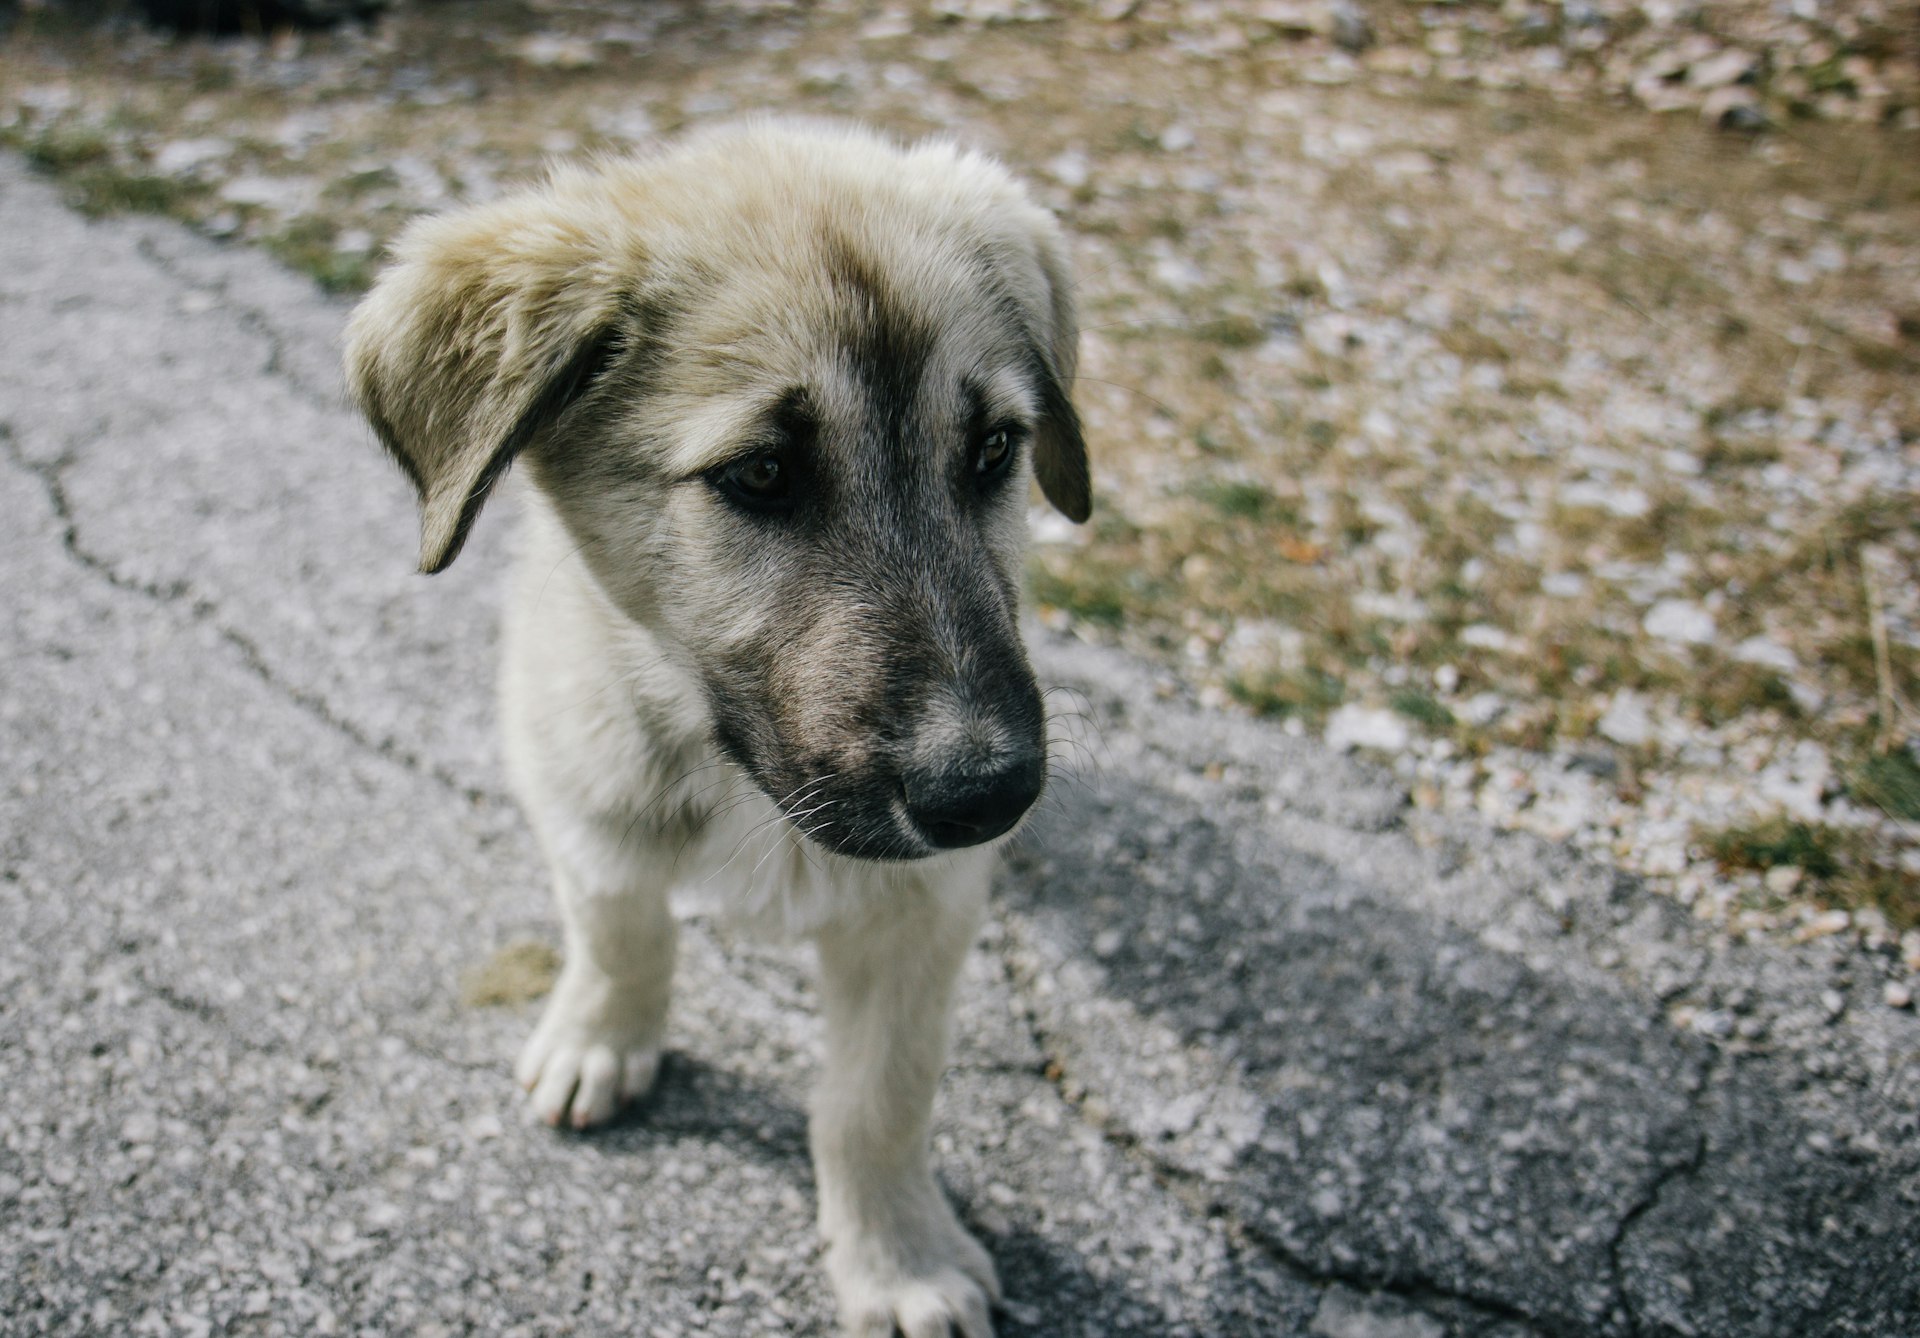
{"x": 889, "y": 836}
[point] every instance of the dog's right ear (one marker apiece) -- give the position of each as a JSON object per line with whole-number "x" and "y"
{"x": 489, "y": 324}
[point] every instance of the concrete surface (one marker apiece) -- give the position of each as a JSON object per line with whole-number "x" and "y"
{"x": 1250, "y": 1047}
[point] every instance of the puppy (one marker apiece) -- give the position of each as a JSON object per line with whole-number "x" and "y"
{"x": 780, "y": 393}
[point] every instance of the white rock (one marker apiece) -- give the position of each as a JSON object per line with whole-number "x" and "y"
{"x": 558, "y": 51}
{"x": 285, "y": 195}
{"x": 1353, "y": 727}
{"x": 1727, "y": 67}
{"x": 1071, "y": 169}
{"x": 1259, "y": 644}
{"x": 1622, "y": 500}
{"x": 1766, "y": 652}
{"x": 1485, "y": 636}
{"x": 1047, "y": 526}
{"x": 1627, "y": 720}
{"x": 1681, "y": 621}
{"x": 184, "y": 155}
{"x": 1483, "y": 708}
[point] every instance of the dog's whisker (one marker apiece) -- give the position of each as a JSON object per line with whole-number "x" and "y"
{"x": 1135, "y": 390}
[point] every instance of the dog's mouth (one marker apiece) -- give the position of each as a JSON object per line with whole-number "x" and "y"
{"x": 911, "y": 817}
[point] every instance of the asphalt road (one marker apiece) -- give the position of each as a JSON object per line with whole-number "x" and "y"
{"x": 1250, "y": 1047}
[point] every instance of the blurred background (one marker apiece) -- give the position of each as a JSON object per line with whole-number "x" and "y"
{"x": 1524, "y": 393}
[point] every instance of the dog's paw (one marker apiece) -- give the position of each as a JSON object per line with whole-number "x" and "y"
{"x": 931, "y": 1282}
{"x": 589, "y": 1056}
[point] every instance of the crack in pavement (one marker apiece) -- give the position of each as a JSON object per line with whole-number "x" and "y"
{"x": 180, "y": 593}
{"x": 1683, "y": 1169}
{"x": 1423, "y": 1293}
{"x": 1195, "y": 1195}
{"x": 249, "y": 318}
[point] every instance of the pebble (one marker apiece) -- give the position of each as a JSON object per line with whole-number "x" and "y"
{"x": 1352, "y": 727}
{"x": 1627, "y": 720}
{"x": 1898, "y": 994}
{"x": 1679, "y": 621}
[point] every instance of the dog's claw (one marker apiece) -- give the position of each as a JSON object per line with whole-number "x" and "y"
{"x": 581, "y": 1086}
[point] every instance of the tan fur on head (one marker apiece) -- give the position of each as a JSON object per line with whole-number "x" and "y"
{"x": 492, "y": 319}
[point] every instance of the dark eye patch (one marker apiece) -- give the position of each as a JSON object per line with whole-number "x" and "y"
{"x": 771, "y": 476}
{"x": 992, "y": 442}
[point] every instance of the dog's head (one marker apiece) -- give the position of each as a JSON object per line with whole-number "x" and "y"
{"x": 785, "y": 387}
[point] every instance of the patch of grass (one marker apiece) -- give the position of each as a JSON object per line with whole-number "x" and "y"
{"x": 306, "y": 244}
{"x": 1080, "y": 591}
{"x": 1308, "y": 693}
{"x": 61, "y": 148}
{"x": 1895, "y": 892}
{"x": 1734, "y": 690}
{"x": 1244, "y": 501}
{"x": 1231, "y": 332}
{"x": 101, "y": 189}
{"x": 354, "y": 185}
{"x": 1891, "y": 783}
{"x": 1419, "y": 706}
{"x": 1814, "y": 849}
{"x": 519, "y": 972}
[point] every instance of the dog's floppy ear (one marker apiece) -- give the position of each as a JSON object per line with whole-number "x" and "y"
{"x": 489, "y": 324}
{"x": 1059, "y": 449}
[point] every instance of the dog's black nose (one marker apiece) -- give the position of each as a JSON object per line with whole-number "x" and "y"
{"x": 955, "y": 808}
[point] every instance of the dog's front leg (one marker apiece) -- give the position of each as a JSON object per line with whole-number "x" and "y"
{"x": 896, "y": 1253}
{"x": 598, "y": 1042}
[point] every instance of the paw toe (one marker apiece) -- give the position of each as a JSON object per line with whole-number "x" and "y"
{"x": 597, "y": 1095}
{"x": 553, "y": 1091}
{"x": 950, "y": 1303}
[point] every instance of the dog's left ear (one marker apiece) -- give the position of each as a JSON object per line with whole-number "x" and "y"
{"x": 490, "y": 323}
{"x": 1059, "y": 449}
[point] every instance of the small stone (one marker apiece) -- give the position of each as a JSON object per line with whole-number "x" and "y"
{"x": 1627, "y": 721}
{"x": 558, "y": 51}
{"x": 1783, "y": 879}
{"x": 1766, "y": 652}
{"x": 1485, "y": 636}
{"x": 184, "y": 155}
{"x": 1718, "y": 105}
{"x": 1482, "y": 709}
{"x": 1351, "y": 31}
{"x": 1834, "y": 1002}
{"x": 1720, "y": 70}
{"x": 1071, "y": 169}
{"x": 1680, "y": 621}
{"x": 1353, "y": 727}
{"x": 1898, "y": 994}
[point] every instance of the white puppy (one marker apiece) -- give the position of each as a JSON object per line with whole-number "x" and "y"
{"x": 780, "y": 392}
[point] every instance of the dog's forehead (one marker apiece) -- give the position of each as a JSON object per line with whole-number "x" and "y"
{"x": 907, "y": 327}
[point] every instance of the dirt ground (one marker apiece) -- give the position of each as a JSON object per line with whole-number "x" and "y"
{"x": 1524, "y": 393}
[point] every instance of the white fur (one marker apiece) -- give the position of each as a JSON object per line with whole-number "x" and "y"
{"x": 630, "y": 575}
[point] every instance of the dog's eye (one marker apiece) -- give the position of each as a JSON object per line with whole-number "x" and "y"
{"x": 763, "y": 481}
{"x": 993, "y": 452}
